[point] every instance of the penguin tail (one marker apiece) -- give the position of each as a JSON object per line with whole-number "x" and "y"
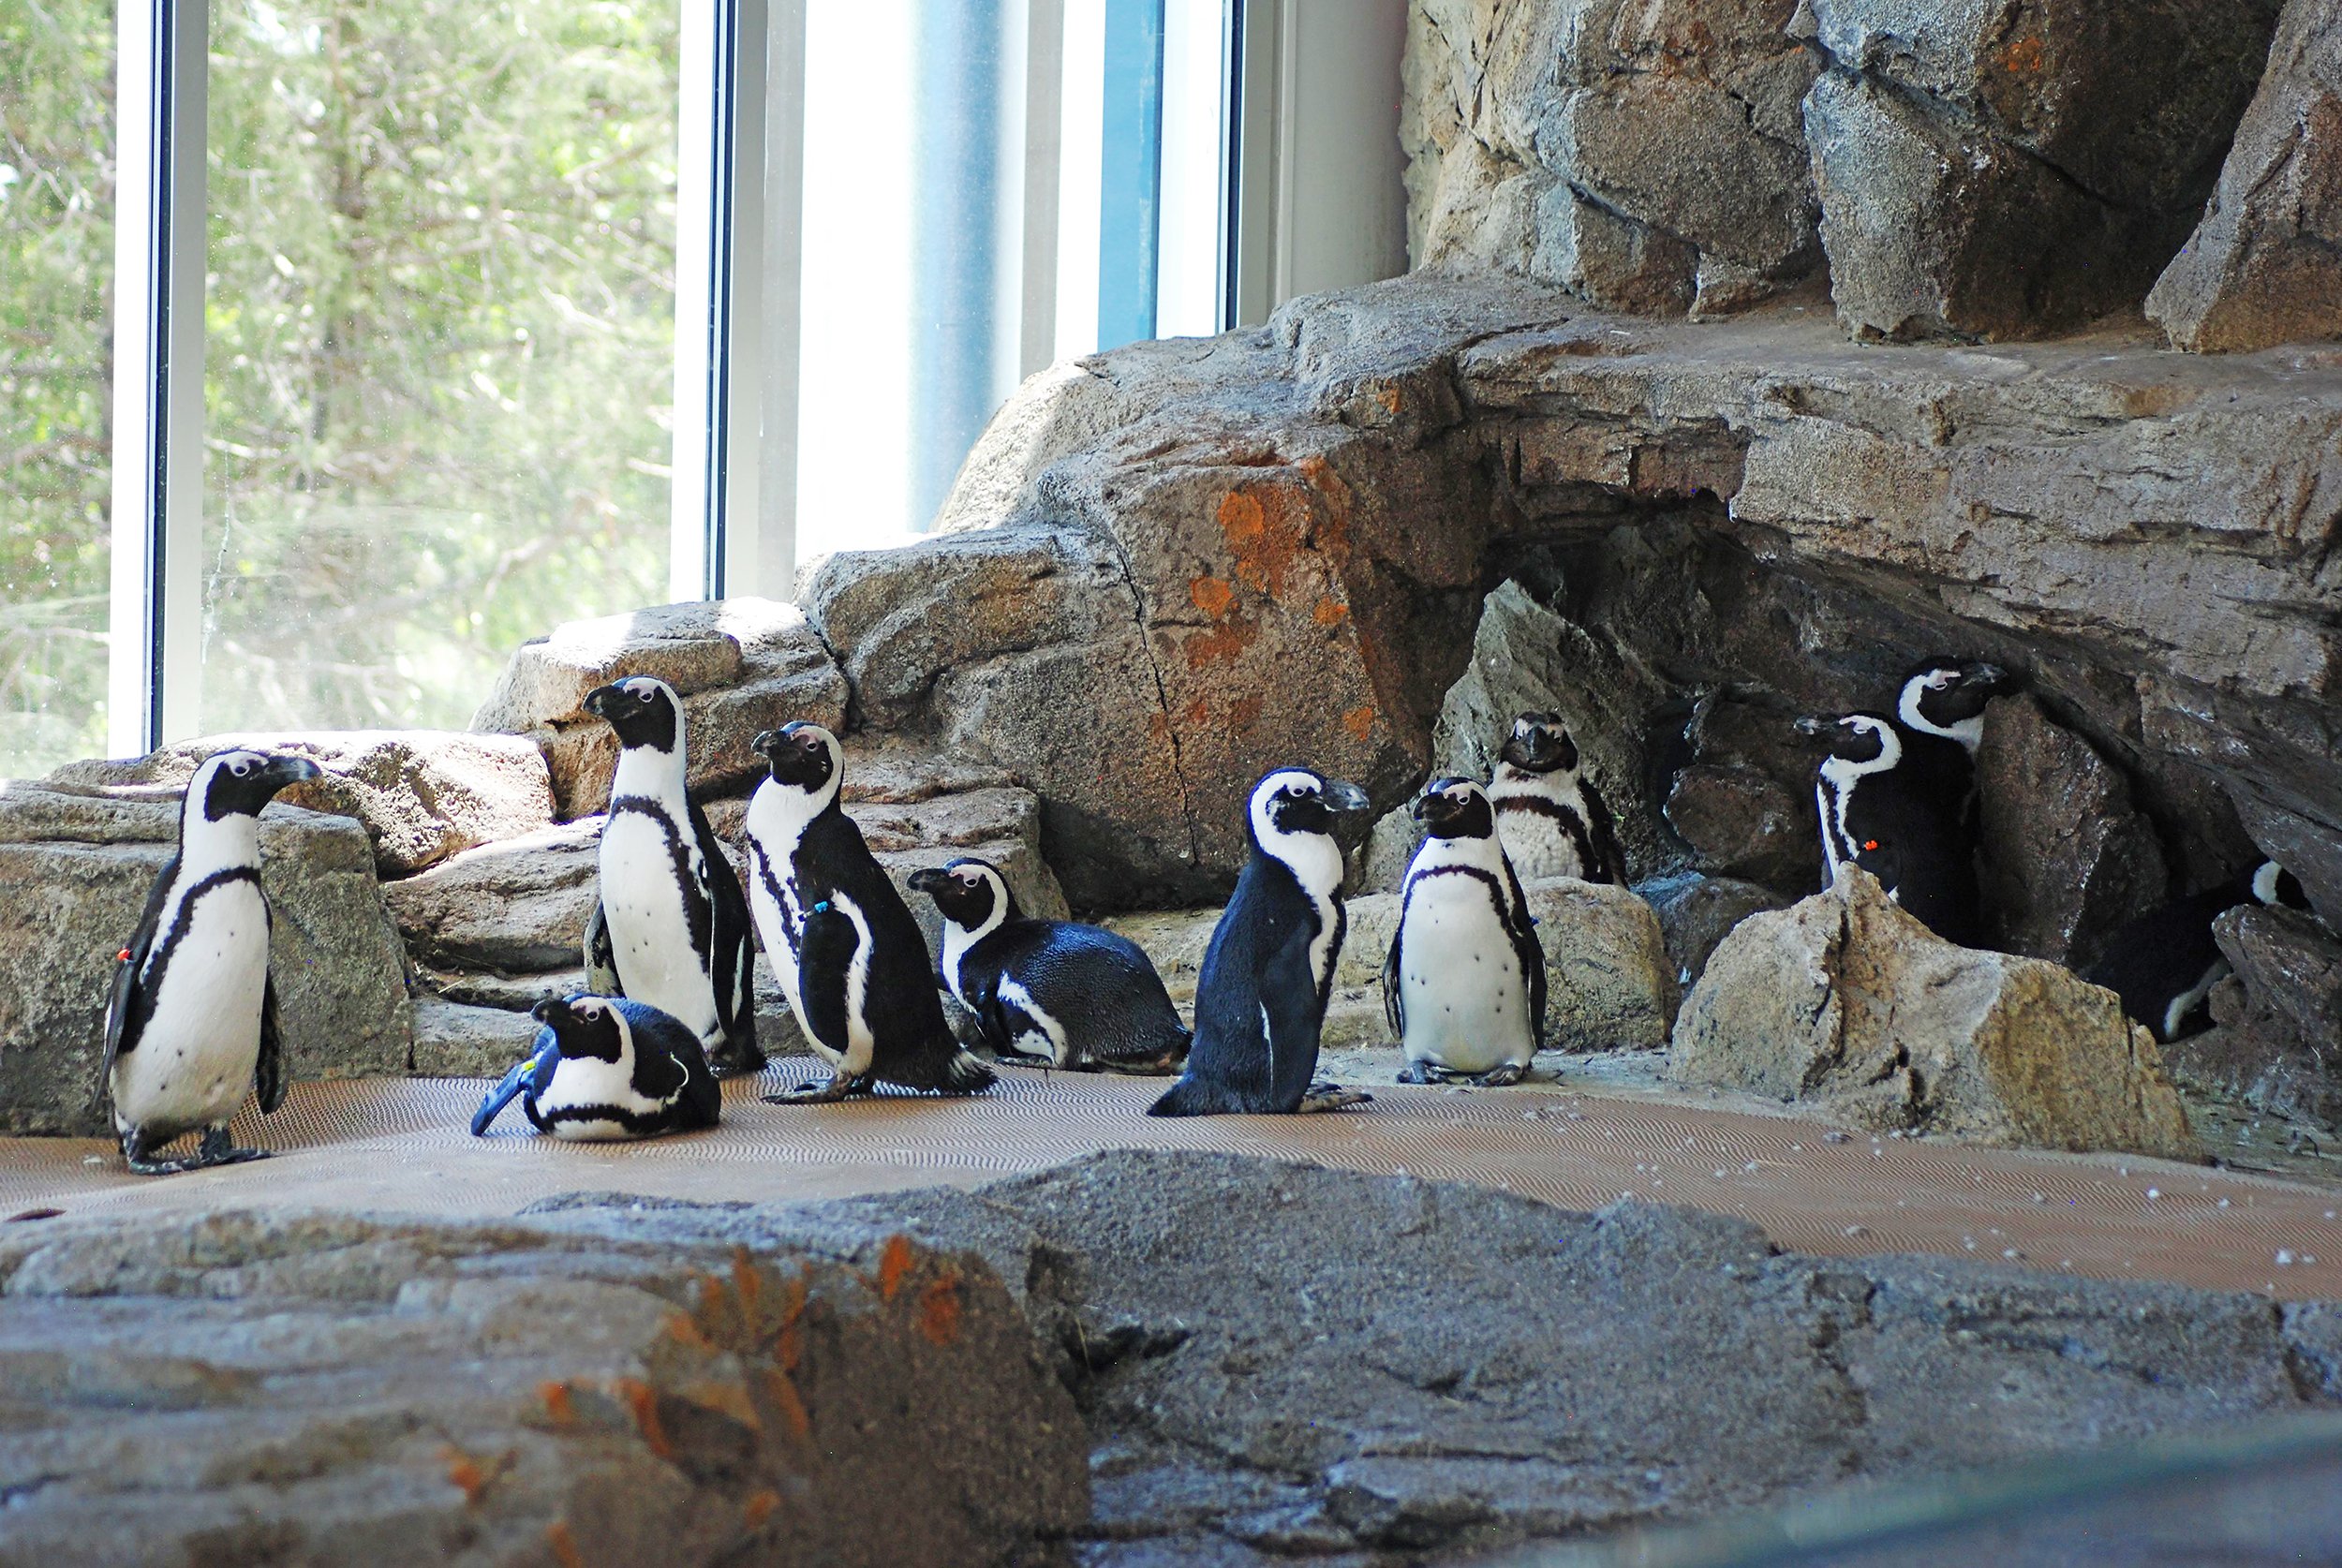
{"x": 965, "y": 1074}
{"x": 1190, "y": 1096}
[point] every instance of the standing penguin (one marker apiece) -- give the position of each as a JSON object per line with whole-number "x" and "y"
{"x": 1878, "y": 813}
{"x": 1940, "y": 705}
{"x": 1260, "y": 999}
{"x": 193, "y": 1016}
{"x": 1464, "y": 985}
{"x": 1551, "y": 819}
{"x": 606, "y": 1067}
{"x": 847, "y": 952}
{"x": 2165, "y": 963}
{"x": 671, "y": 925}
{"x": 1065, "y": 994}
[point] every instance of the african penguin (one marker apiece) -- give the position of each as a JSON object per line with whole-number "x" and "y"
{"x": 2165, "y": 963}
{"x": 842, "y": 943}
{"x": 1878, "y": 814}
{"x": 1464, "y": 985}
{"x": 608, "y": 1067}
{"x": 1940, "y": 705}
{"x": 671, "y": 926}
{"x": 192, "y": 1021}
{"x": 1551, "y": 819}
{"x": 1261, "y": 997}
{"x": 1052, "y": 993}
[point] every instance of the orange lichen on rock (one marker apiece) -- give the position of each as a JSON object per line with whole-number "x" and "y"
{"x": 563, "y": 1545}
{"x": 1266, "y": 529}
{"x": 1360, "y": 721}
{"x": 893, "y": 1263}
{"x": 1329, "y": 611}
{"x": 641, "y": 1402}
{"x": 557, "y": 1404}
{"x": 783, "y": 1394}
{"x": 2024, "y": 57}
{"x": 939, "y": 1310}
{"x": 725, "y": 1399}
{"x": 1245, "y": 711}
{"x": 759, "y": 1508}
{"x": 464, "y": 1473}
{"x": 1223, "y": 644}
{"x": 685, "y": 1330}
{"x": 1212, "y": 595}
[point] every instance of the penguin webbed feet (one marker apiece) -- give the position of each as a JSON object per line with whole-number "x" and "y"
{"x": 217, "y": 1148}
{"x": 735, "y": 1059}
{"x": 838, "y": 1086}
{"x": 1502, "y": 1076}
{"x": 1324, "y": 1096}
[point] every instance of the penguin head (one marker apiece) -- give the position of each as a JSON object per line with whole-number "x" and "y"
{"x": 2278, "y": 888}
{"x": 1290, "y": 803}
{"x": 1540, "y": 743}
{"x": 1455, "y": 808}
{"x": 584, "y": 1025}
{"x": 1865, "y": 739}
{"x": 643, "y": 709}
{"x": 239, "y": 783}
{"x": 1945, "y": 696}
{"x": 802, "y": 756}
{"x": 971, "y": 893}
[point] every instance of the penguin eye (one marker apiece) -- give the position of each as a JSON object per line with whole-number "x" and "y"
{"x": 239, "y": 768}
{"x": 644, "y": 695}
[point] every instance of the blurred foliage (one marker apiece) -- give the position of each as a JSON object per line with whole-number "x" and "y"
{"x": 56, "y": 258}
{"x": 438, "y": 350}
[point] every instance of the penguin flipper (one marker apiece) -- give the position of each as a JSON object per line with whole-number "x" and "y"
{"x": 602, "y": 956}
{"x": 123, "y": 1025}
{"x": 1609, "y": 858}
{"x": 1394, "y": 1004}
{"x": 731, "y": 962}
{"x": 1530, "y": 949}
{"x": 268, "y": 1073}
{"x": 532, "y": 1072}
{"x": 825, "y": 952}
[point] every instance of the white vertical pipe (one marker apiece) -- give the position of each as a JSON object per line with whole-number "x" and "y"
{"x": 1044, "y": 165}
{"x": 156, "y": 646}
{"x": 1081, "y": 134}
{"x": 763, "y": 561}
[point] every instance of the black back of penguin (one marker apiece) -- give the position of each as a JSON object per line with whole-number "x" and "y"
{"x": 1879, "y": 813}
{"x": 1939, "y": 706}
{"x": 1260, "y": 998}
{"x": 2164, "y": 964}
{"x": 1078, "y": 994}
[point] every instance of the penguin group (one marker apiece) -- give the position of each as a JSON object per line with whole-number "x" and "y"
{"x": 668, "y": 1008}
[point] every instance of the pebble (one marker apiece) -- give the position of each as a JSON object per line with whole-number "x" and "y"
{"x": 1834, "y": 1136}
{"x": 1855, "y": 1230}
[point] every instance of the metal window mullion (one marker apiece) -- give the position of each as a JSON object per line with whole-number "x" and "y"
{"x": 154, "y": 678}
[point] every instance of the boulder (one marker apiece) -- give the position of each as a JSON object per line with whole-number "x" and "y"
{"x": 69, "y": 904}
{"x": 741, "y": 665}
{"x": 422, "y": 795}
{"x": 1646, "y": 155}
{"x": 1844, "y": 1002}
{"x": 515, "y": 908}
{"x": 1695, "y": 913}
{"x": 1744, "y": 803}
{"x": 1991, "y": 173}
{"x": 2277, "y": 1039}
{"x": 2068, "y": 860}
{"x": 2264, "y": 266}
{"x": 454, "y": 1039}
{"x": 670, "y": 1385}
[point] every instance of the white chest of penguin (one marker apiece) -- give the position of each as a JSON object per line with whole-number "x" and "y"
{"x": 194, "y": 1061}
{"x": 650, "y": 928}
{"x": 1467, "y": 1000}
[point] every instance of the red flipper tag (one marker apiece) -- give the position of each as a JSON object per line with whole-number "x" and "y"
{"x": 122, "y": 957}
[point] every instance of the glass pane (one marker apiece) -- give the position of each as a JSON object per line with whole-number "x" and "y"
{"x": 56, "y": 263}
{"x": 440, "y": 345}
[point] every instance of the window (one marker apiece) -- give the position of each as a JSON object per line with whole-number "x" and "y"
{"x": 434, "y": 322}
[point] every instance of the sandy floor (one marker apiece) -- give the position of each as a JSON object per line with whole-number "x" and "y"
{"x": 1581, "y": 1142}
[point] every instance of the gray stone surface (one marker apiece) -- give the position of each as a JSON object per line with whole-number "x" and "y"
{"x": 515, "y": 908}
{"x": 1647, "y": 156}
{"x": 662, "y": 1386}
{"x": 69, "y": 904}
{"x": 2067, "y": 858}
{"x": 2277, "y": 1039}
{"x": 1695, "y": 913}
{"x": 422, "y": 795}
{"x": 460, "y": 1039}
{"x": 1281, "y": 1361}
{"x": 2262, "y": 267}
{"x": 1844, "y": 1000}
{"x": 1989, "y": 171}
{"x": 742, "y": 665}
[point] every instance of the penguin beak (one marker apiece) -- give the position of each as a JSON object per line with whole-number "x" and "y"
{"x": 1344, "y": 796}
{"x": 1985, "y": 675}
{"x": 767, "y": 743}
{"x": 1814, "y": 728}
{"x": 551, "y": 1010}
{"x": 927, "y": 879}
{"x": 285, "y": 772}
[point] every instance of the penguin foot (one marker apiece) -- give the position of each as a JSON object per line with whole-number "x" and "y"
{"x": 1506, "y": 1076}
{"x": 839, "y": 1086}
{"x": 1423, "y": 1073}
{"x": 1162, "y": 1066}
{"x": 217, "y": 1148}
{"x": 730, "y": 1060}
{"x": 1331, "y": 1097}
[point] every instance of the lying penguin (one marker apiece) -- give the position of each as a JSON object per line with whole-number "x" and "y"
{"x": 2165, "y": 963}
{"x": 1260, "y": 1000}
{"x": 1464, "y": 985}
{"x": 1879, "y": 813}
{"x": 670, "y": 928}
{"x": 1553, "y": 818}
{"x": 1051, "y": 992}
{"x": 843, "y": 944}
{"x": 606, "y": 1068}
{"x": 192, "y": 1020}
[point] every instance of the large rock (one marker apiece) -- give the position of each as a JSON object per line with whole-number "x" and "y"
{"x": 741, "y": 665}
{"x": 651, "y": 1385}
{"x": 1286, "y": 1362}
{"x": 75, "y": 869}
{"x": 1695, "y": 913}
{"x": 2277, "y": 1039}
{"x": 2005, "y": 172}
{"x": 515, "y": 908}
{"x": 2067, "y": 858}
{"x": 1647, "y": 156}
{"x": 423, "y": 795}
{"x": 2264, "y": 266}
{"x": 1846, "y": 1001}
